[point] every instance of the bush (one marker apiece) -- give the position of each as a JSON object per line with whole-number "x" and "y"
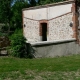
{"x": 17, "y": 45}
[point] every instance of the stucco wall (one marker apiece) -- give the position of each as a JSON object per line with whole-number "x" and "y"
{"x": 36, "y": 14}
{"x": 58, "y": 10}
{"x": 48, "y": 12}
{"x": 31, "y": 31}
{"x": 59, "y": 28}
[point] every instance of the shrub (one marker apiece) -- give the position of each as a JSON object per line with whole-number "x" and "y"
{"x": 17, "y": 45}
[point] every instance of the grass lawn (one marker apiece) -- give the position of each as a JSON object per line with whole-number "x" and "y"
{"x": 60, "y": 68}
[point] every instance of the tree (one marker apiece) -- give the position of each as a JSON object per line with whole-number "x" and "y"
{"x": 11, "y": 13}
{"x": 78, "y": 2}
{"x": 43, "y": 2}
{"x": 16, "y": 20}
{"x": 5, "y": 12}
{"x": 32, "y": 3}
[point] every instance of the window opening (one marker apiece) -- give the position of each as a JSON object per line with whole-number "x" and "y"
{"x": 44, "y": 31}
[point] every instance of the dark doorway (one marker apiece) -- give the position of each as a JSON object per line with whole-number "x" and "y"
{"x": 44, "y": 31}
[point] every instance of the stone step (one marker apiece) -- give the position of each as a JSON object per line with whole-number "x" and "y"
{"x": 3, "y": 52}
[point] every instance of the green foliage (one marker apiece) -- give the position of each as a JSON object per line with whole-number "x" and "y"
{"x": 16, "y": 9}
{"x": 30, "y": 51}
{"x": 5, "y": 11}
{"x": 78, "y": 0}
{"x": 32, "y": 2}
{"x": 43, "y": 2}
{"x": 11, "y": 13}
{"x": 78, "y": 3}
{"x": 3, "y": 34}
{"x": 17, "y": 46}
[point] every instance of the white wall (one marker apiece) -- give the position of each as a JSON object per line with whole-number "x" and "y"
{"x": 58, "y": 10}
{"x": 36, "y": 14}
{"x": 47, "y": 13}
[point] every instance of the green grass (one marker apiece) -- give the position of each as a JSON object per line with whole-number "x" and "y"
{"x": 60, "y": 68}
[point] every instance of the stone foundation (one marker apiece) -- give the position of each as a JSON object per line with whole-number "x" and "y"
{"x": 57, "y": 49}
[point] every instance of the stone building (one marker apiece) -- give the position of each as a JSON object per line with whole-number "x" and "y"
{"x": 50, "y": 25}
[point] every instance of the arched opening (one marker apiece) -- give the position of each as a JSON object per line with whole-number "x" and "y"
{"x": 44, "y": 31}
